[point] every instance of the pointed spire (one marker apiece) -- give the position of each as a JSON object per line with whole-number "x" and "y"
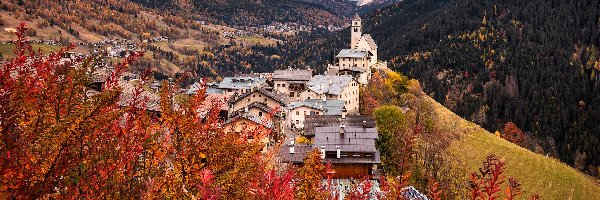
{"x": 356, "y": 17}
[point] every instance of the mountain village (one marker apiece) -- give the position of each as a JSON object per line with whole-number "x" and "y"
{"x": 303, "y": 110}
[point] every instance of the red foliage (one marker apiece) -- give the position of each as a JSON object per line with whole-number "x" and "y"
{"x": 276, "y": 186}
{"x": 433, "y": 188}
{"x": 513, "y": 134}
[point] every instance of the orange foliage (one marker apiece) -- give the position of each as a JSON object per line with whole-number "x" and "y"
{"x": 513, "y": 134}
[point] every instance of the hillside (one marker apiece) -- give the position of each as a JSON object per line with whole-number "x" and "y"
{"x": 533, "y": 63}
{"x": 540, "y": 174}
{"x": 206, "y": 38}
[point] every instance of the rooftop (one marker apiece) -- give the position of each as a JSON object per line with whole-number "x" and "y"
{"x": 352, "y": 53}
{"x": 256, "y": 119}
{"x": 329, "y": 107}
{"x": 293, "y": 75}
{"x": 239, "y": 82}
{"x": 327, "y": 84}
{"x": 311, "y": 122}
{"x": 370, "y": 41}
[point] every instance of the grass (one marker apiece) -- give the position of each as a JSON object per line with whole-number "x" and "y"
{"x": 546, "y": 176}
{"x": 7, "y": 49}
{"x": 254, "y": 40}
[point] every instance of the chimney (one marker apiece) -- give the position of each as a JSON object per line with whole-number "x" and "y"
{"x": 322, "y": 152}
{"x": 246, "y": 109}
{"x": 344, "y": 112}
{"x": 291, "y": 145}
{"x": 338, "y": 150}
{"x": 342, "y": 130}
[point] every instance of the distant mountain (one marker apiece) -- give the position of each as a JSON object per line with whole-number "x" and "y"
{"x": 535, "y": 63}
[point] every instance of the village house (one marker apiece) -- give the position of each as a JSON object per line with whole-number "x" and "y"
{"x": 350, "y": 148}
{"x": 254, "y": 108}
{"x": 328, "y": 87}
{"x": 291, "y": 82}
{"x": 300, "y": 109}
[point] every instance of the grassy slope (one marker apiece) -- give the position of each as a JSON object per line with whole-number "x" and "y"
{"x": 7, "y": 49}
{"x": 536, "y": 173}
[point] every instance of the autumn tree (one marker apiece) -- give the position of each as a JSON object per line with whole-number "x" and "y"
{"x": 513, "y": 134}
{"x": 59, "y": 139}
{"x": 310, "y": 176}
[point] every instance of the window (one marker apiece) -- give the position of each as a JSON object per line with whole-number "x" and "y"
{"x": 355, "y": 29}
{"x": 248, "y": 100}
{"x": 278, "y": 85}
{"x": 297, "y": 112}
{"x": 282, "y": 85}
{"x": 297, "y": 121}
{"x": 253, "y": 95}
{"x": 260, "y": 114}
{"x": 292, "y": 94}
{"x": 312, "y": 112}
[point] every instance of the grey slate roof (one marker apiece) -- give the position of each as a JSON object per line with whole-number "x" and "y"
{"x": 329, "y": 107}
{"x": 292, "y": 75}
{"x": 410, "y": 193}
{"x": 240, "y": 82}
{"x": 194, "y": 88}
{"x": 352, "y": 53}
{"x": 327, "y": 84}
{"x": 311, "y": 122}
{"x": 356, "y": 138}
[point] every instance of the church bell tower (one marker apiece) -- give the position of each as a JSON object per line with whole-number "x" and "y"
{"x": 356, "y": 31}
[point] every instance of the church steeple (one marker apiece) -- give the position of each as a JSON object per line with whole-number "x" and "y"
{"x": 356, "y": 31}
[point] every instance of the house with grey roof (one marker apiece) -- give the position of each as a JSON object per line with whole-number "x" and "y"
{"x": 291, "y": 82}
{"x": 349, "y": 148}
{"x": 298, "y": 110}
{"x": 327, "y": 87}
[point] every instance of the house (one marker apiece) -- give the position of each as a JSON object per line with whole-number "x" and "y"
{"x": 300, "y": 109}
{"x": 247, "y": 122}
{"x": 349, "y": 148}
{"x": 328, "y": 87}
{"x": 255, "y": 108}
{"x": 291, "y": 82}
{"x": 255, "y": 97}
{"x": 231, "y": 85}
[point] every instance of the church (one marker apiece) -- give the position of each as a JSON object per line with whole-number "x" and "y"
{"x": 358, "y": 60}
